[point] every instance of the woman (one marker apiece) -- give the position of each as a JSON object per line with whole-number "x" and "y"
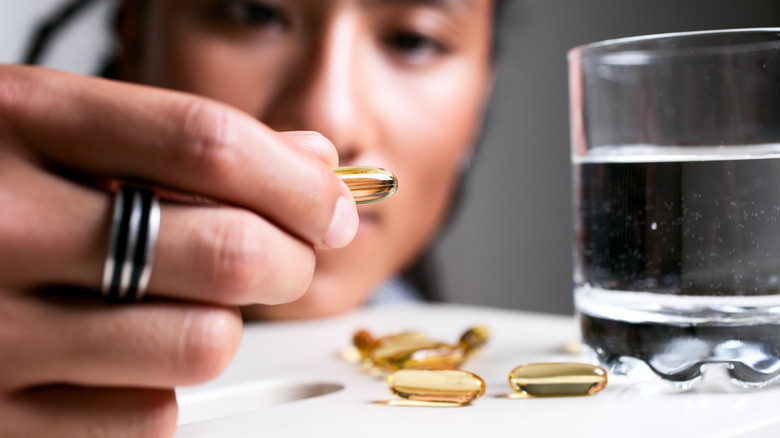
{"x": 304, "y": 86}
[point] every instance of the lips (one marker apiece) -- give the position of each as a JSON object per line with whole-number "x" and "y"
{"x": 368, "y": 219}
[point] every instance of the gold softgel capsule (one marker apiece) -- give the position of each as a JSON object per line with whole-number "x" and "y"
{"x": 385, "y": 356}
{"x": 436, "y": 357}
{"x": 558, "y": 379}
{"x": 368, "y": 184}
{"x": 415, "y": 350}
{"x": 474, "y": 338}
{"x": 365, "y": 342}
{"x": 437, "y": 386}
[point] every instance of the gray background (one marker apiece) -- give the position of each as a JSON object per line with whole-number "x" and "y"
{"x": 509, "y": 244}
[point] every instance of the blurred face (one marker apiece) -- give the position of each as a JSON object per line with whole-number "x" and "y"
{"x": 398, "y": 84}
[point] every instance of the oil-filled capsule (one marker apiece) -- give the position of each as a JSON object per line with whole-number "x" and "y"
{"x": 383, "y": 356}
{"x": 440, "y": 357}
{"x": 368, "y": 184}
{"x": 441, "y": 386}
{"x": 474, "y": 338}
{"x": 558, "y": 379}
{"x": 365, "y": 342}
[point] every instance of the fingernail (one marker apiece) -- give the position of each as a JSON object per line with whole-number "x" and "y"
{"x": 344, "y": 224}
{"x": 302, "y": 133}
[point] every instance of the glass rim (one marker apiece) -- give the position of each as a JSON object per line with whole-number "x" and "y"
{"x": 634, "y": 43}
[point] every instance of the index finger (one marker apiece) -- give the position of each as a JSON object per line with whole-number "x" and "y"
{"x": 182, "y": 142}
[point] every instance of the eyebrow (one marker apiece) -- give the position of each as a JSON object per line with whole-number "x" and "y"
{"x": 454, "y": 4}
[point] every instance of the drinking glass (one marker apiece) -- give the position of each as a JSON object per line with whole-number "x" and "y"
{"x": 675, "y": 146}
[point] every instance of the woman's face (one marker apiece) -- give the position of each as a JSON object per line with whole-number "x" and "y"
{"x": 398, "y": 84}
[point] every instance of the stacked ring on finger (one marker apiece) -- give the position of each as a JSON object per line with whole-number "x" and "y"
{"x": 132, "y": 237}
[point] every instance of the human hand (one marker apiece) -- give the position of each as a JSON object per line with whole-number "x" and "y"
{"x": 72, "y": 362}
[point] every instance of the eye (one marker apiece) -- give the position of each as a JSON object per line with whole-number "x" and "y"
{"x": 414, "y": 45}
{"x": 250, "y": 13}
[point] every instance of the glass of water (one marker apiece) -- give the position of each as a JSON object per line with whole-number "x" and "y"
{"x": 675, "y": 143}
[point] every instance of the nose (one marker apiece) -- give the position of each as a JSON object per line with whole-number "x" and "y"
{"x": 327, "y": 94}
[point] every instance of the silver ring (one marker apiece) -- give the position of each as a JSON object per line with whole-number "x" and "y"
{"x": 135, "y": 225}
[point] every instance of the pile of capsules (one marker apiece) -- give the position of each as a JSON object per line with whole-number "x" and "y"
{"x": 427, "y": 371}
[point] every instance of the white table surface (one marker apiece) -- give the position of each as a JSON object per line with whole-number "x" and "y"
{"x": 269, "y": 389}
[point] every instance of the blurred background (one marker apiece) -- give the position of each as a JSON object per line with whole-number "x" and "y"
{"x": 509, "y": 243}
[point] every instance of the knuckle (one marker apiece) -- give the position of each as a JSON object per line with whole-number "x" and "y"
{"x": 234, "y": 258}
{"x": 208, "y": 140}
{"x": 250, "y": 261}
{"x": 209, "y": 339}
{"x": 292, "y": 287}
